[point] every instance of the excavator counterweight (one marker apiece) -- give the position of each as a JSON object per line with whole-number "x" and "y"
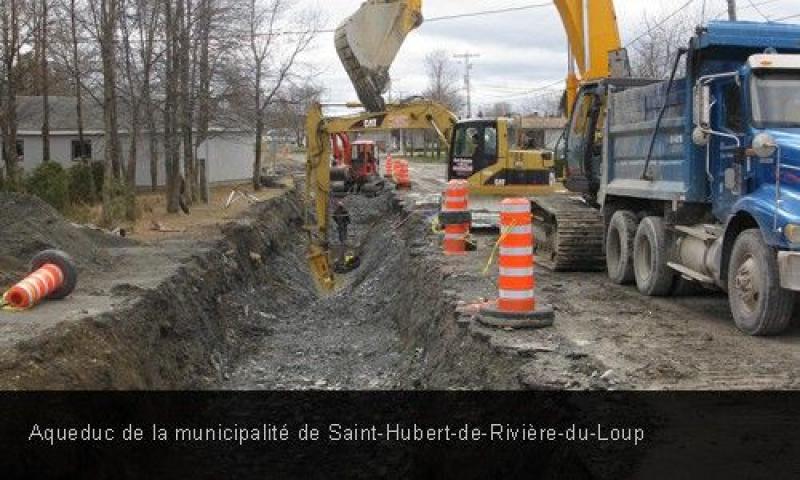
{"x": 368, "y": 42}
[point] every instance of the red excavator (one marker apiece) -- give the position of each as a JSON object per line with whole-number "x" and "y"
{"x": 356, "y": 166}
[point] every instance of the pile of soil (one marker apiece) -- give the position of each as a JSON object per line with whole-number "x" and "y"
{"x": 28, "y": 225}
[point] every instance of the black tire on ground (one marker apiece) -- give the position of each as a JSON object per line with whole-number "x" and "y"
{"x": 758, "y": 303}
{"x": 653, "y": 276}
{"x": 63, "y": 261}
{"x": 619, "y": 247}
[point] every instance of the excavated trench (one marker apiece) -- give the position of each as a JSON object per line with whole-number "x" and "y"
{"x": 243, "y": 313}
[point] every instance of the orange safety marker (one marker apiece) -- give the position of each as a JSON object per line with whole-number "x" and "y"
{"x": 389, "y": 171}
{"x": 400, "y": 174}
{"x": 53, "y": 277}
{"x": 516, "y": 306}
{"x": 456, "y": 217}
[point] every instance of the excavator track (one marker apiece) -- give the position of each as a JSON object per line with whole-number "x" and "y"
{"x": 570, "y": 234}
{"x": 368, "y": 85}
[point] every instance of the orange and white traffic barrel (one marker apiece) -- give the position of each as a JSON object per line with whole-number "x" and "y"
{"x": 53, "y": 276}
{"x": 516, "y": 305}
{"x": 400, "y": 174}
{"x": 389, "y": 168}
{"x": 455, "y": 217}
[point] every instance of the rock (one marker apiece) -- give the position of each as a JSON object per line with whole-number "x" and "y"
{"x": 606, "y": 375}
{"x": 255, "y": 257}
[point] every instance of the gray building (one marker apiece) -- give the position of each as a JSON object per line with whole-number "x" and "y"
{"x": 229, "y": 153}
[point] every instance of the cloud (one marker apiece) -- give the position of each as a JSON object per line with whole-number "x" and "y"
{"x": 519, "y": 51}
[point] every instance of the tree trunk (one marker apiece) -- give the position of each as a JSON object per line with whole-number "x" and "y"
{"x": 45, "y": 85}
{"x": 204, "y": 93}
{"x": 10, "y": 50}
{"x": 171, "y": 154}
{"x": 186, "y": 99}
{"x": 108, "y": 53}
{"x": 78, "y": 95}
{"x": 259, "y": 130}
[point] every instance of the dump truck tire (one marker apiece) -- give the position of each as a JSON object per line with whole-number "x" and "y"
{"x": 653, "y": 276}
{"x": 758, "y": 303}
{"x": 619, "y": 247}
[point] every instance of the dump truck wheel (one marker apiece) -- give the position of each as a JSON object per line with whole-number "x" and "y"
{"x": 64, "y": 262}
{"x": 758, "y": 303}
{"x": 653, "y": 276}
{"x": 619, "y": 247}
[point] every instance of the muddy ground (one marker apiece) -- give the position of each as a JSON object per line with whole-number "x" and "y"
{"x": 239, "y": 310}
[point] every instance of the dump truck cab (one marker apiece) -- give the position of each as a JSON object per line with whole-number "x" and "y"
{"x": 700, "y": 176}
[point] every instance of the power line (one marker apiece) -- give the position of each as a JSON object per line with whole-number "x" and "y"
{"x": 490, "y": 12}
{"x": 468, "y": 77}
{"x": 661, "y": 23}
{"x": 758, "y": 10}
{"x": 797, "y": 15}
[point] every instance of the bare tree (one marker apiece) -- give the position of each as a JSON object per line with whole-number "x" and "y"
{"x": 172, "y": 70}
{"x": 443, "y": 80}
{"x": 264, "y": 20}
{"x": 654, "y": 51}
{"x": 108, "y": 17}
{"x": 11, "y": 48}
{"x": 44, "y": 31}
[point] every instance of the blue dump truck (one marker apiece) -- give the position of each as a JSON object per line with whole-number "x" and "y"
{"x": 698, "y": 177}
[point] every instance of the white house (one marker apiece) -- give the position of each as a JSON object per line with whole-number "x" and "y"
{"x": 229, "y": 153}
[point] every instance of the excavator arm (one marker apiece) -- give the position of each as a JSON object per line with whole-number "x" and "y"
{"x": 368, "y": 42}
{"x": 594, "y": 42}
{"x": 418, "y": 114}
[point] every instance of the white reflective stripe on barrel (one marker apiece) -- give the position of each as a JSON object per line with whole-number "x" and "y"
{"x": 29, "y": 290}
{"x": 40, "y": 282}
{"x": 455, "y": 236}
{"x": 455, "y": 210}
{"x": 522, "y": 230}
{"x": 516, "y": 272}
{"x": 516, "y": 208}
{"x": 516, "y": 252}
{"x": 453, "y": 199}
{"x": 516, "y": 294}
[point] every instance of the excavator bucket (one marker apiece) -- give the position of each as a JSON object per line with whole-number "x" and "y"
{"x": 368, "y": 42}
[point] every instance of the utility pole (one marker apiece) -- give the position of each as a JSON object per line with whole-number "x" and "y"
{"x": 466, "y": 57}
{"x": 732, "y": 10}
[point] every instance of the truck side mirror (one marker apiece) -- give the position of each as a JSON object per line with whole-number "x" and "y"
{"x": 702, "y": 106}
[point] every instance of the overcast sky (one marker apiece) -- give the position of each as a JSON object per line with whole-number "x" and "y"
{"x": 519, "y": 51}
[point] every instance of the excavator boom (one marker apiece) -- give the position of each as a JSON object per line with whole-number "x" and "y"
{"x": 414, "y": 115}
{"x": 593, "y": 36}
{"x": 368, "y": 42}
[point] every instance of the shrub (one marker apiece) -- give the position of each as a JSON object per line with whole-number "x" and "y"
{"x": 82, "y": 187}
{"x": 98, "y": 171}
{"x": 50, "y": 182}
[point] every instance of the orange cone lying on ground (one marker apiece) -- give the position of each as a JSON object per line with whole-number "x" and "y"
{"x": 53, "y": 276}
{"x": 455, "y": 217}
{"x": 516, "y": 306}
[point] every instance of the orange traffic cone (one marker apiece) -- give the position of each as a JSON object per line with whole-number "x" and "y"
{"x": 455, "y": 217}
{"x": 400, "y": 174}
{"x": 516, "y": 306}
{"x": 389, "y": 172}
{"x": 53, "y": 277}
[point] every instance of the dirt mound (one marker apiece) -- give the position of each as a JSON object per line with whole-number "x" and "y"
{"x": 28, "y": 225}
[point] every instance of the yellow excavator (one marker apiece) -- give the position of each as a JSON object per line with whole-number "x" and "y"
{"x": 569, "y": 229}
{"x": 413, "y": 114}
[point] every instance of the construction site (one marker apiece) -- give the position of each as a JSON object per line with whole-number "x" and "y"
{"x": 654, "y": 261}
{"x": 608, "y": 290}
